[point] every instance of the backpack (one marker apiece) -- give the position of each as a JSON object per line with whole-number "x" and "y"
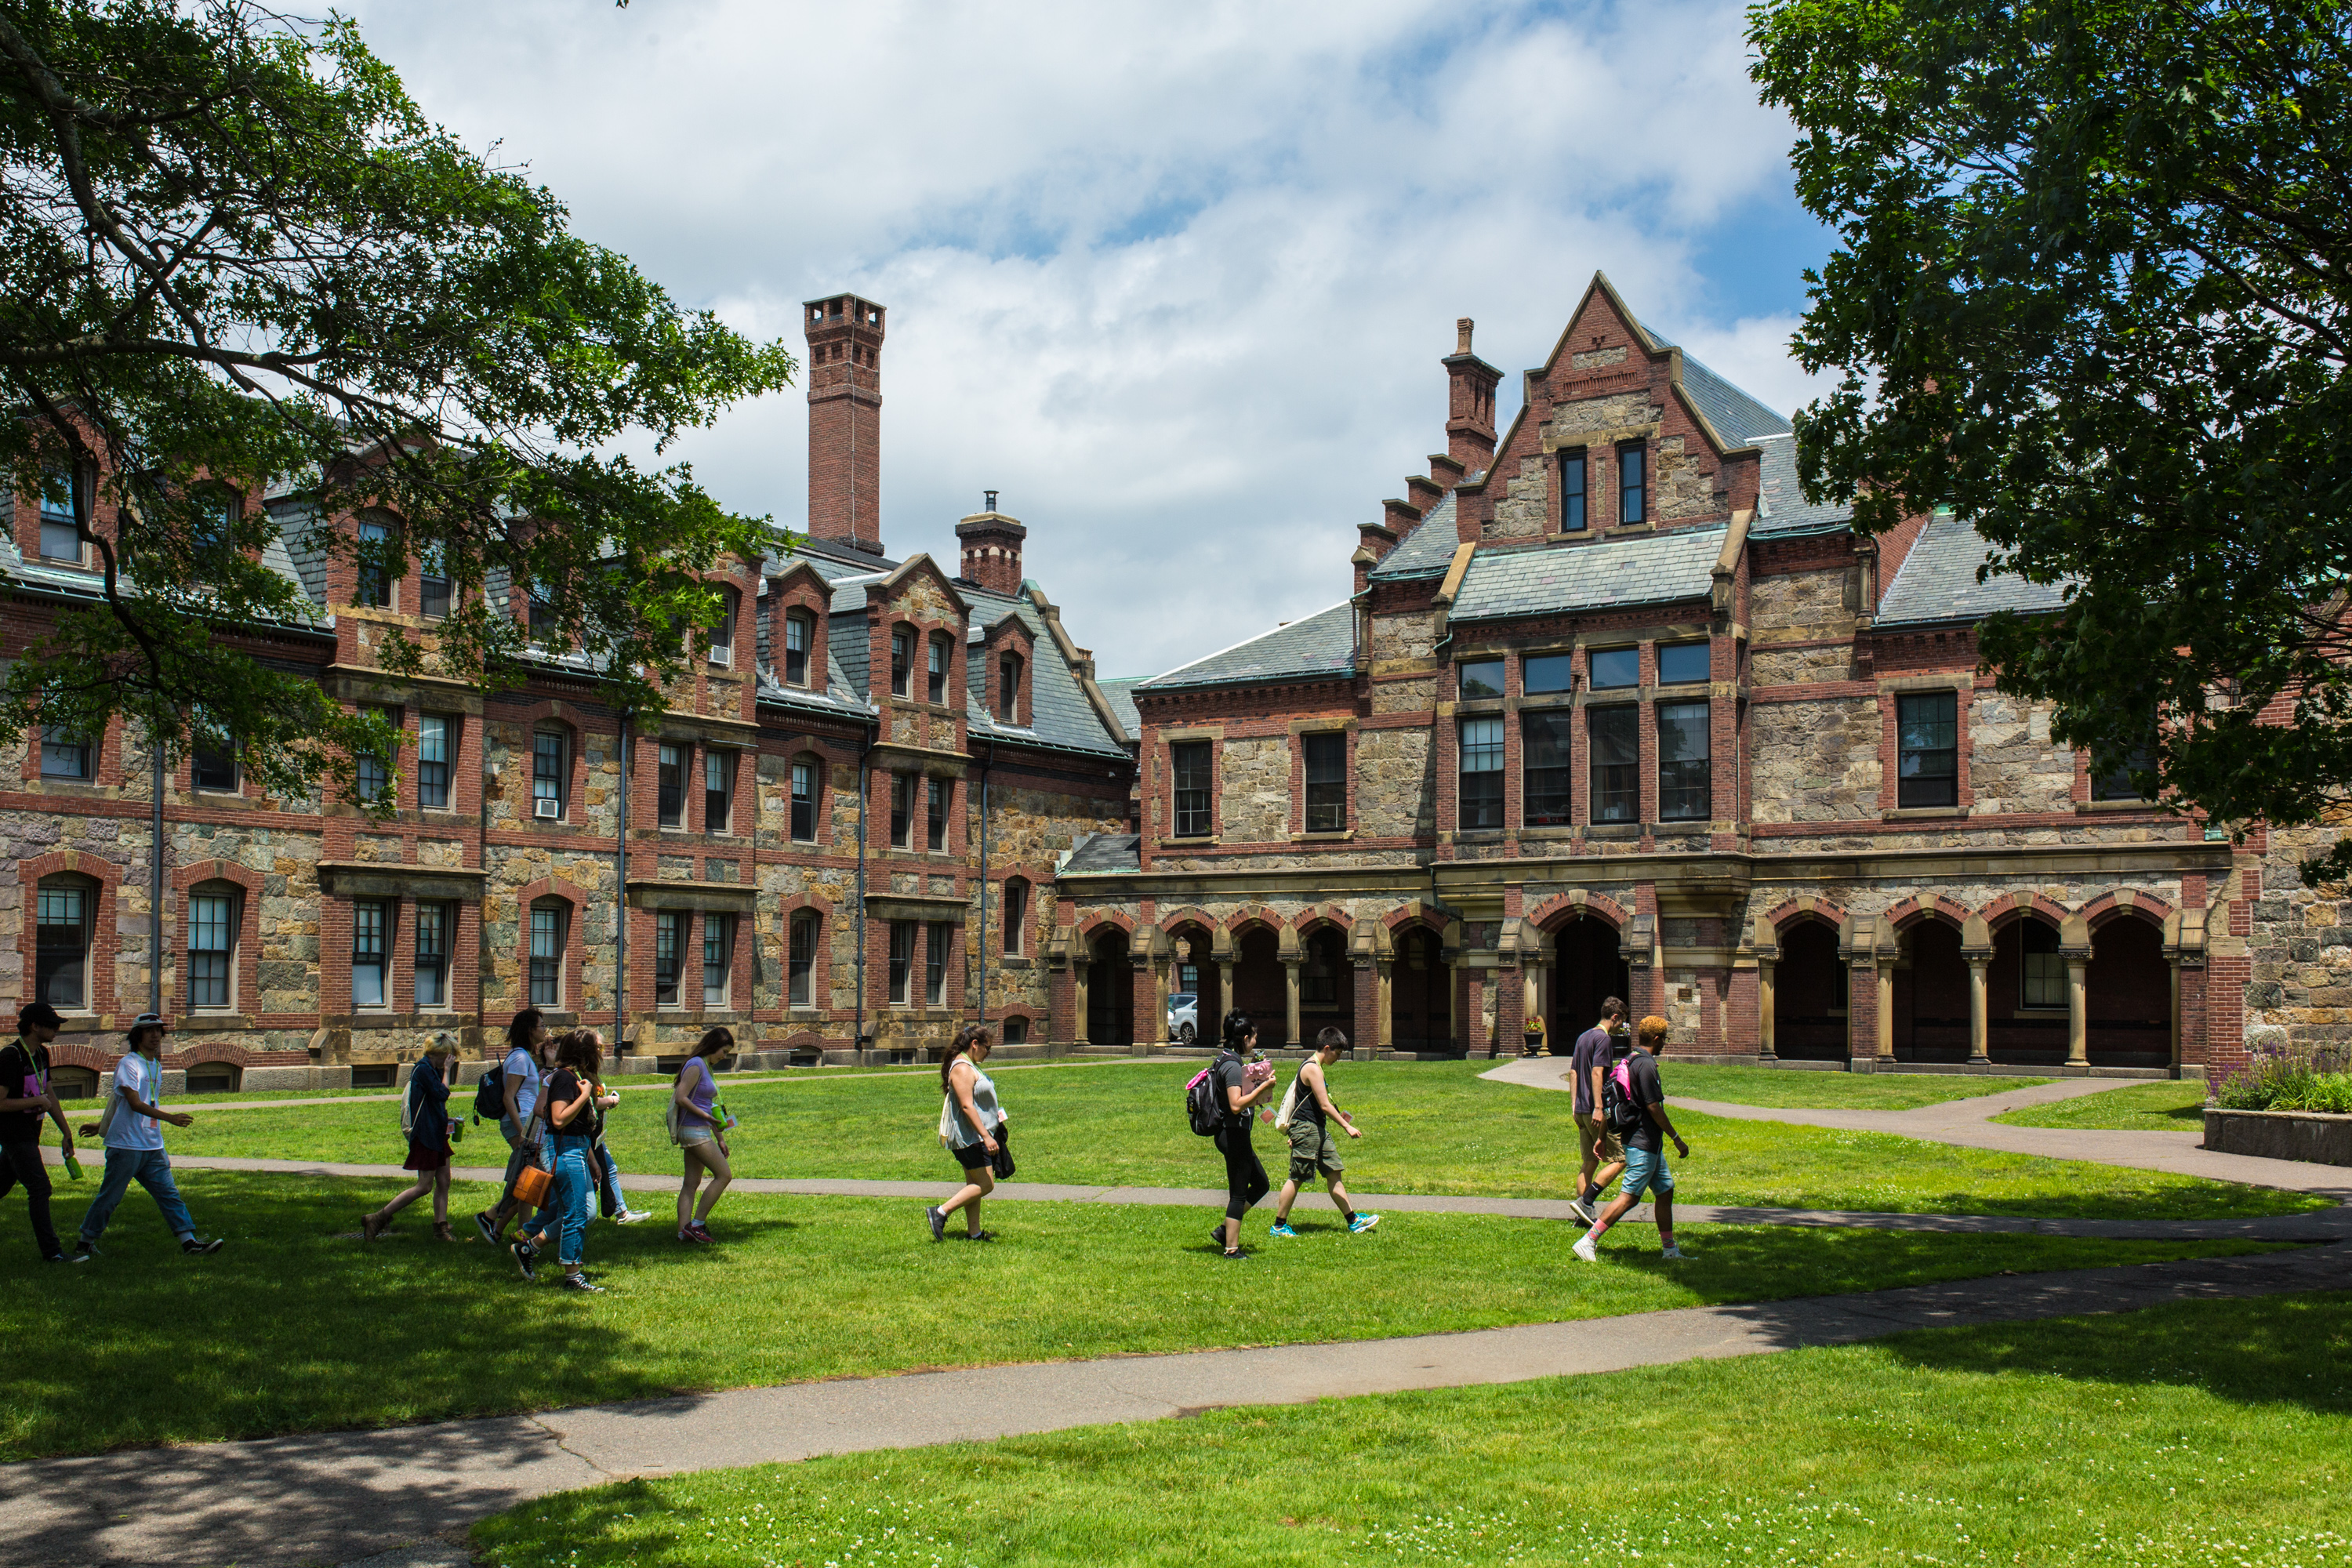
{"x": 1618, "y": 1113}
{"x": 1202, "y": 1103}
{"x": 490, "y": 1095}
{"x": 408, "y": 1105}
{"x": 1290, "y": 1100}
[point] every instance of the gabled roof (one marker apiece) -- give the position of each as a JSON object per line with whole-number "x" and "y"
{"x": 1060, "y": 715}
{"x": 1323, "y": 645}
{"x": 1120, "y": 695}
{"x": 1937, "y": 580}
{"x": 1781, "y": 507}
{"x": 1561, "y": 576}
{"x": 1426, "y": 552}
{"x": 1738, "y": 417}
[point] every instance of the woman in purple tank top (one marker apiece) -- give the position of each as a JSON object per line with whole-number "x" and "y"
{"x": 694, "y": 1095}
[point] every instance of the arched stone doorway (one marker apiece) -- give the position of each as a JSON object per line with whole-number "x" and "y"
{"x": 1326, "y": 984}
{"x": 2026, "y": 1012}
{"x": 1810, "y": 992}
{"x": 1931, "y": 995}
{"x": 1587, "y": 970}
{"x": 1196, "y": 972}
{"x": 1420, "y": 1018}
{"x": 2128, "y": 996}
{"x": 1111, "y": 989}
{"x": 1260, "y": 988}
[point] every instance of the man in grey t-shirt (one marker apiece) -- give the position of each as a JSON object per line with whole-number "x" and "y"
{"x": 1602, "y": 1155}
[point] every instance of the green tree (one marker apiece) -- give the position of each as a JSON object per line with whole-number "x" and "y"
{"x": 232, "y": 252}
{"x": 2092, "y": 287}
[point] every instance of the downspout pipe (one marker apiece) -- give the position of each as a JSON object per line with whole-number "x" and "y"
{"x": 986, "y": 768}
{"x": 865, "y": 757}
{"x": 621, "y": 901}
{"x": 155, "y": 884}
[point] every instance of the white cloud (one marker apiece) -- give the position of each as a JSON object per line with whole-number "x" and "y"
{"x": 1175, "y": 279}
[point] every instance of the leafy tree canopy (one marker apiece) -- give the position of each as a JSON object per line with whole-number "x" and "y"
{"x": 233, "y": 253}
{"x": 2093, "y": 288}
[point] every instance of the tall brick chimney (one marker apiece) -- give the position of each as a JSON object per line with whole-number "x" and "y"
{"x": 991, "y": 550}
{"x": 1470, "y": 410}
{"x": 844, "y": 394}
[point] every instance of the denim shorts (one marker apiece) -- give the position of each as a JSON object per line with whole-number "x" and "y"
{"x": 1646, "y": 1168}
{"x": 695, "y": 1133}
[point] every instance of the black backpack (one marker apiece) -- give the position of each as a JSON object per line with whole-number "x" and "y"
{"x": 490, "y": 1095}
{"x": 1618, "y": 1111}
{"x": 1205, "y": 1102}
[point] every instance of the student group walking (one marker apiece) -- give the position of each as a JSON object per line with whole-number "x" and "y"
{"x": 549, "y": 1100}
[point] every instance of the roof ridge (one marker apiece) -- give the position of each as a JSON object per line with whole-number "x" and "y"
{"x": 1257, "y": 637}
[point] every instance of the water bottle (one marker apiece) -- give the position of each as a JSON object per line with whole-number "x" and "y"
{"x": 73, "y": 1165}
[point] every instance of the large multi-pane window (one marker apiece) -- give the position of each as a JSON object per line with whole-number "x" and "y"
{"x": 373, "y": 583}
{"x": 800, "y": 961}
{"x": 61, "y": 945}
{"x": 436, "y": 748}
{"x": 60, "y": 537}
{"x": 2043, "y": 978}
{"x": 902, "y": 811}
{"x": 546, "y": 620}
{"x": 1481, "y": 678}
{"x": 1016, "y": 916}
{"x": 718, "y": 957}
{"x": 1612, "y": 667}
{"x": 548, "y": 939}
{"x": 717, "y": 791}
{"x": 1546, "y": 790}
{"x": 212, "y": 940}
{"x": 432, "y": 923}
{"x": 1481, "y": 793}
{"x": 1927, "y": 729}
{"x": 370, "y": 953}
{"x": 1615, "y": 736}
{"x": 551, "y": 773}
{"x": 672, "y": 802}
{"x": 1548, "y": 672}
{"x": 1633, "y": 483}
{"x": 1683, "y": 776}
{"x": 1326, "y": 781}
{"x": 669, "y": 951}
{"x": 1188, "y": 762}
{"x": 935, "y": 943}
{"x": 902, "y": 660}
{"x": 1682, "y": 663}
{"x": 2116, "y": 784}
{"x": 935, "y": 823}
{"x": 800, "y": 635}
{"x": 935, "y": 676}
{"x": 432, "y": 583}
{"x": 65, "y": 751}
{"x": 804, "y": 801}
{"x": 1571, "y": 491}
{"x": 902, "y": 962}
{"x": 373, "y": 770}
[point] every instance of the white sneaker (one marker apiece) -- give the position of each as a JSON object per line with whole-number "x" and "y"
{"x": 631, "y": 1216}
{"x": 1674, "y": 1255}
{"x": 1586, "y": 1250}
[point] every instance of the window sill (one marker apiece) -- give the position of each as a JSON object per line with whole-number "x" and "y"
{"x": 1550, "y": 830}
{"x": 1612, "y": 830}
{"x": 1013, "y": 961}
{"x": 1203, "y": 842}
{"x": 1919, "y": 813}
{"x": 1341, "y": 835}
{"x": 2091, "y": 808}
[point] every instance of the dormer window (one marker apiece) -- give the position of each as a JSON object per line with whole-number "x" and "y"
{"x": 1008, "y": 688}
{"x": 902, "y": 660}
{"x": 214, "y": 514}
{"x": 433, "y": 585}
{"x": 935, "y": 688}
{"x": 373, "y": 586}
{"x": 800, "y": 635}
{"x": 60, "y": 536}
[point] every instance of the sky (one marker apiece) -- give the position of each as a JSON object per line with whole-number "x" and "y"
{"x": 1175, "y": 279}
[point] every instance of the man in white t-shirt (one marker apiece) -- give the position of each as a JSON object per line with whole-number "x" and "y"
{"x": 526, "y": 1142}
{"x": 134, "y": 1144}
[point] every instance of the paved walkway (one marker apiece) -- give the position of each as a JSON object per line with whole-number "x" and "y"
{"x": 1964, "y": 1124}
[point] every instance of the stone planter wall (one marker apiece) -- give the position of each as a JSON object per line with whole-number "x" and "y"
{"x": 2281, "y": 1135}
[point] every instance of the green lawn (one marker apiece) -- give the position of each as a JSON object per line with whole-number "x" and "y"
{"x": 296, "y": 1325}
{"x": 2207, "y": 1433}
{"x": 1430, "y": 1127}
{"x": 2168, "y": 1106}
{"x": 1782, "y": 1088}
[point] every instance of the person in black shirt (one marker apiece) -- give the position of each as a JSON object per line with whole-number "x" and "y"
{"x": 1242, "y": 1091}
{"x": 428, "y": 1122}
{"x": 1645, "y": 1157}
{"x": 572, "y": 1117}
{"x": 25, "y": 1096}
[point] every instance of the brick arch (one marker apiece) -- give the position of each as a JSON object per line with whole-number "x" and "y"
{"x": 1091, "y": 925}
{"x": 1399, "y": 920}
{"x": 2126, "y": 903}
{"x": 1920, "y": 907}
{"x": 1249, "y": 915}
{"x": 244, "y": 948}
{"x": 2011, "y": 908}
{"x": 99, "y": 997}
{"x": 1561, "y": 908}
{"x": 1191, "y": 914}
{"x": 1789, "y": 911}
{"x": 793, "y": 902}
{"x": 1308, "y": 919}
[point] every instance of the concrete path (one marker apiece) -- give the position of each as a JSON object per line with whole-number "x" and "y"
{"x": 1964, "y": 1124}
{"x": 335, "y": 1497}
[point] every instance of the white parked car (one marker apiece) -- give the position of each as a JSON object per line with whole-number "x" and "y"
{"x": 1184, "y": 1016}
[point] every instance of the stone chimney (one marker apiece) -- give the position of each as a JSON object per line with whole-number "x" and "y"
{"x": 844, "y": 394}
{"x": 1470, "y": 410}
{"x": 991, "y": 549}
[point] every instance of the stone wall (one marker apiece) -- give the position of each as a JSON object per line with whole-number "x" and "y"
{"x": 1523, "y": 512}
{"x": 1813, "y": 605}
{"x": 1799, "y": 666}
{"x": 2014, "y": 767}
{"x": 1395, "y": 784}
{"x": 1814, "y": 762}
{"x": 1253, "y": 791}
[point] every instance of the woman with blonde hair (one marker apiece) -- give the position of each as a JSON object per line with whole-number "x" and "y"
{"x": 694, "y": 1100}
{"x": 972, "y": 1125}
{"x": 425, "y": 1120}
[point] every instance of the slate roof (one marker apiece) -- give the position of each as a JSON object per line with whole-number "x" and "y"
{"x": 1097, "y": 853}
{"x": 1504, "y": 583}
{"x": 1937, "y": 580}
{"x": 33, "y": 572}
{"x": 1426, "y": 552}
{"x": 1783, "y": 509}
{"x": 1060, "y": 715}
{"x": 1324, "y": 643}
{"x": 1736, "y": 418}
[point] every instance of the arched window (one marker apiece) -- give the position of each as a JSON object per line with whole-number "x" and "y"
{"x": 61, "y": 966}
{"x": 800, "y": 960}
{"x": 1016, "y": 1031}
{"x": 807, "y": 779}
{"x": 550, "y": 771}
{"x": 800, "y": 639}
{"x": 935, "y": 683}
{"x": 1016, "y": 916}
{"x": 1008, "y": 688}
{"x": 212, "y": 924}
{"x": 551, "y": 922}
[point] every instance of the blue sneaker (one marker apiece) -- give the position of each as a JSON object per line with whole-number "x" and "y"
{"x": 1282, "y": 1227}
{"x": 1362, "y": 1223}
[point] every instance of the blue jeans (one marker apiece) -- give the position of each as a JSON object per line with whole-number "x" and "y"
{"x": 608, "y": 1179}
{"x": 151, "y": 1170}
{"x": 574, "y": 1183}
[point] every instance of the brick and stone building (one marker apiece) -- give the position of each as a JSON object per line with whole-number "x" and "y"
{"x": 1609, "y": 708}
{"x": 918, "y": 738}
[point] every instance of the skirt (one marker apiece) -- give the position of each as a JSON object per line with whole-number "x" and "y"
{"x": 425, "y": 1156}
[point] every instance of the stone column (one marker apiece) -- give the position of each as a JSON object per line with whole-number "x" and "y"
{"x": 1532, "y": 996}
{"x": 1214, "y": 1029}
{"x": 1766, "y": 1045}
{"x": 1079, "y": 974}
{"x": 1454, "y": 973}
{"x": 2078, "y": 1029}
{"x": 2172, "y": 968}
{"x": 1385, "y": 1033}
{"x": 1290, "y": 967}
{"x": 1884, "y": 1044}
{"x": 1980, "y": 1034}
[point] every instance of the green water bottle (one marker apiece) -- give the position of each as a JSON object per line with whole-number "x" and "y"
{"x": 73, "y": 1166}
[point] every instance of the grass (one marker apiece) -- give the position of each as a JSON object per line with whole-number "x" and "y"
{"x": 298, "y": 1326}
{"x": 1430, "y": 1127}
{"x": 2168, "y": 1106}
{"x": 1781, "y": 1089}
{"x": 2204, "y": 1432}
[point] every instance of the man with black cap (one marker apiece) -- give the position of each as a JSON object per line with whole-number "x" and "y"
{"x": 134, "y": 1144}
{"x": 25, "y": 1096}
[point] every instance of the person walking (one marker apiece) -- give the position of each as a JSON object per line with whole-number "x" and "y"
{"x": 429, "y": 1127}
{"x": 570, "y": 1099}
{"x": 1311, "y": 1146}
{"x": 25, "y": 1096}
{"x": 611, "y": 1201}
{"x": 1599, "y": 1148}
{"x": 1645, "y": 1159}
{"x": 133, "y": 1132}
{"x": 519, "y": 1079}
{"x": 971, "y": 1124}
{"x": 694, "y": 1095}
{"x": 1240, "y": 1091}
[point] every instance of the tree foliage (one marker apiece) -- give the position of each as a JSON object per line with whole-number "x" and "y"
{"x": 2093, "y": 288}
{"x": 233, "y": 253}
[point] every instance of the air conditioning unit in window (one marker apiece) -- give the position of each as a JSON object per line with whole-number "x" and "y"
{"x": 721, "y": 653}
{"x": 546, "y": 810}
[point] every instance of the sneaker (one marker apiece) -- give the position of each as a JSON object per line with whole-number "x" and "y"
{"x": 1236, "y": 1256}
{"x": 66, "y": 1257}
{"x": 1217, "y": 1238}
{"x": 1582, "y": 1209}
{"x": 1587, "y": 1250}
{"x": 1362, "y": 1223}
{"x": 196, "y": 1249}
{"x": 701, "y": 1231}
{"x": 938, "y": 1223}
{"x": 981, "y": 1236}
{"x": 1282, "y": 1227}
{"x": 526, "y": 1259}
{"x": 632, "y": 1216}
{"x": 1674, "y": 1255}
{"x": 488, "y": 1225}
{"x": 582, "y": 1284}
{"x": 83, "y": 1251}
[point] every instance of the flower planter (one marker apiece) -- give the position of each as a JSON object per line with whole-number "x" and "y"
{"x": 2281, "y": 1135}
